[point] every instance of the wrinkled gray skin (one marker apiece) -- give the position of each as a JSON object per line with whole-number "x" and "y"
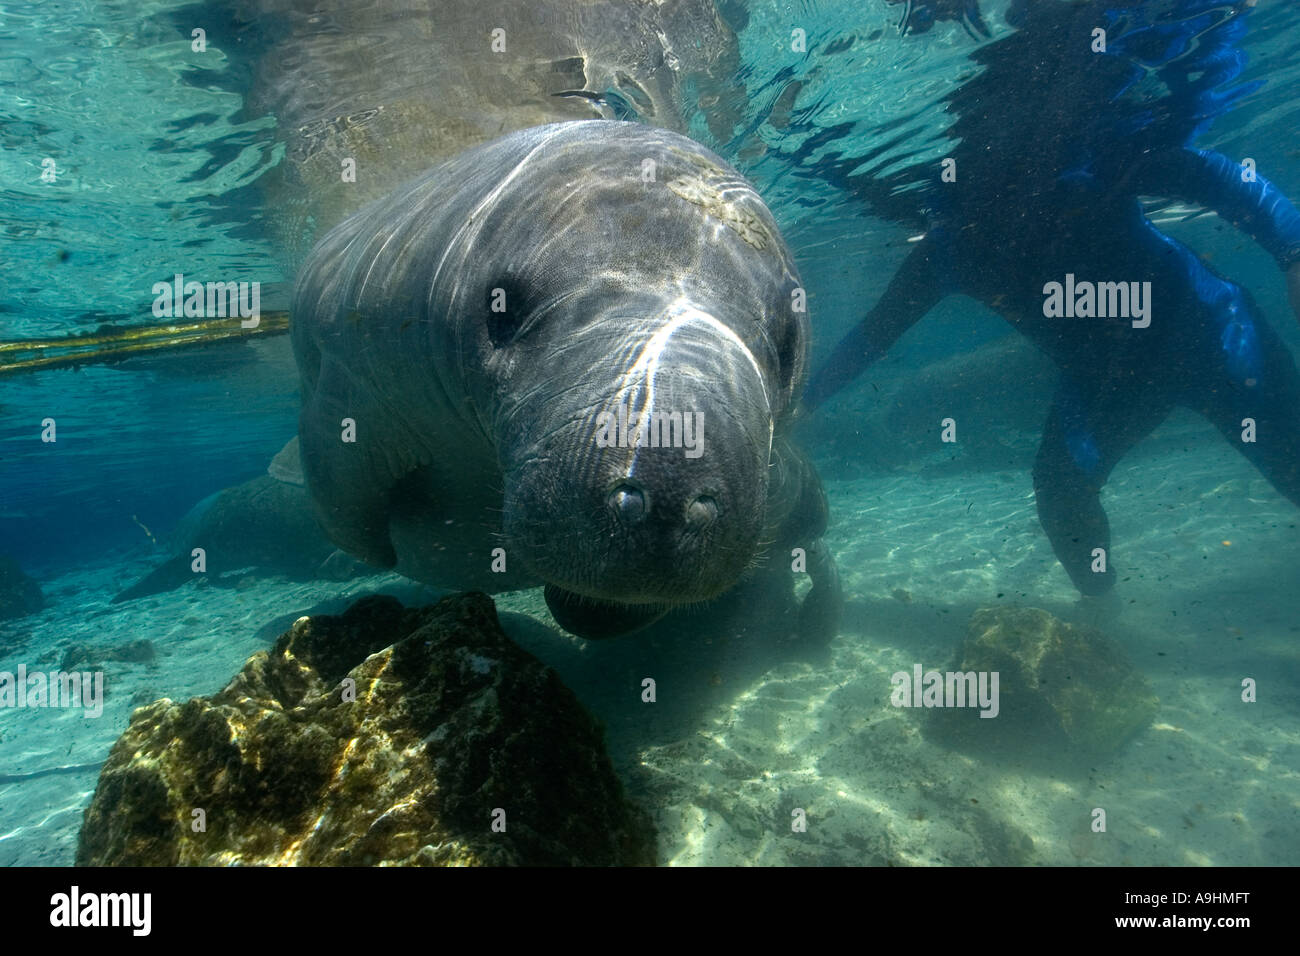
{"x": 398, "y": 85}
{"x": 476, "y": 429}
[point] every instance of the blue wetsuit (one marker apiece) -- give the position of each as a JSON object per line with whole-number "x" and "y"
{"x": 1001, "y": 241}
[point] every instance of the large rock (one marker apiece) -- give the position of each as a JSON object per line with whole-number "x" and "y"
{"x": 19, "y": 594}
{"x": 451, "y": 724}
{"x": 1060, "y": 686}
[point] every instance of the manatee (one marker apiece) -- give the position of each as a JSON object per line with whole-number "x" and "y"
{"x": 1003, "y": 388}
{"x": 266, "y": 523}
{"x": 393, "y": 86}
{"x": 471, "y": 346}
{"x": 19, "y": 594}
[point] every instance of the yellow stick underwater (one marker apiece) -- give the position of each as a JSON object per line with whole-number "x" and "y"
{"x": 106, "y": 345}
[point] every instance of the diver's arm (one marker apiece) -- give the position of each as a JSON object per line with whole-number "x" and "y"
{"x": 912, "y": 293}
{"x": 1256, "y": 207}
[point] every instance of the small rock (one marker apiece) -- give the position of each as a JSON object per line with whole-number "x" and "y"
{"x": 1059, "y": 685}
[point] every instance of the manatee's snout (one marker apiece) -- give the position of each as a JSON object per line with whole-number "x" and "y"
{"x": 669, "y": 537}
{"x": 631, "y": 506}
{"x": 656, "y": 493}
{"x": 636, "y": 524}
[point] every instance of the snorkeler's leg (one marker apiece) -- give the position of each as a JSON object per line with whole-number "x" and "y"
{"x": 1251, "y": 393}
{"x": 1089, "y": 429}
{"x": 915, "y": 289}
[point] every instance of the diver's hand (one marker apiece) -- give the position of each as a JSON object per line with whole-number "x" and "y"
{"x": 1293, "y": 288}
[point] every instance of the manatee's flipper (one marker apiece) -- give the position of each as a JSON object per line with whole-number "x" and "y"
{"x": 595, "y": 620}
{"x": 340, "y": 566}
{"x": 351, "y": 482}
{"x": 823, "y": 606}
{"x": 803, "y": 527}
{"x": 172, "y": 574}
{"x": 286, "y": 466}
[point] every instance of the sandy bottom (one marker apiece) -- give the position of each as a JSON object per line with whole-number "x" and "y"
{"x": 1207, "y": 553}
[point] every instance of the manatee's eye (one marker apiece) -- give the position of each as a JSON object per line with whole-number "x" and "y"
{"x": 502, "y": 327}
{"x": 506, "y": 309}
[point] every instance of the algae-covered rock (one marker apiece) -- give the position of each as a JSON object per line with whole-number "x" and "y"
{"x": 19, "y": 594}
{"x": 452, "y": 728}
{"x": 1059, "y": 685}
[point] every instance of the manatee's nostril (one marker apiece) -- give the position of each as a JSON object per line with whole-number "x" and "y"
{"x": 702, "y": 512}
{"x": 628, "y": 503}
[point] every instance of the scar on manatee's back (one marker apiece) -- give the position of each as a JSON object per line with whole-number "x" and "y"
{"x": 704, "y": 189}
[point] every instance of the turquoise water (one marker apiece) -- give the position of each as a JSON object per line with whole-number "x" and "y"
{"x": 167, "y": 159}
